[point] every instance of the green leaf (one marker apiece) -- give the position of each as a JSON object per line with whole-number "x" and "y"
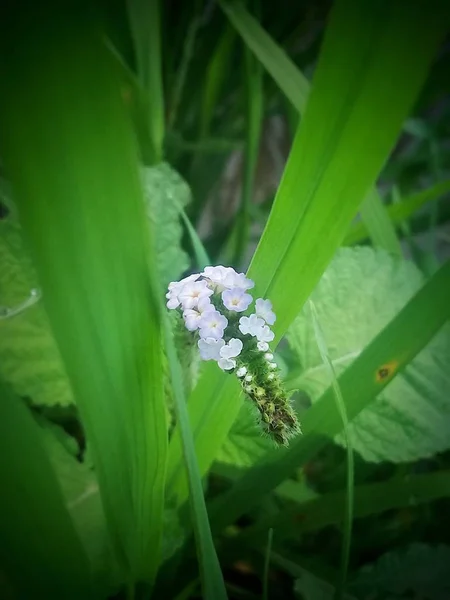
{"x": 292, "y": 82}
{"x": 357, "y": 98}
{"x": 166, "y": 194}
{"x": 401, "y": 211}
{"x": 245, "y": 443}
{"x": 72, "y": 158}
{"x": 29, "y": 357}
{"x": 376, "y": 218}
{"x": 40, "y": 549}
{"x": 145, "y": 25}
{"x": 80, "y": 488}
{"x": 360, "y": 292}
{"x": 398, "y": 344}
{"x": 419, "y": 570}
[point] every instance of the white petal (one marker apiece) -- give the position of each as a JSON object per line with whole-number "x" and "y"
{"x": 227, "y": 363}
{"x": 263, "y": 346}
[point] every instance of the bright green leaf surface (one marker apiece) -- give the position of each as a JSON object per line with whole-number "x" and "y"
{"x": 29, "y": 357}
{"x": 166, "y": 194}
{"x": 360, "y": 292}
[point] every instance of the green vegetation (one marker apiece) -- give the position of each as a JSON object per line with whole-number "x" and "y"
{"x": 307, "y": 146}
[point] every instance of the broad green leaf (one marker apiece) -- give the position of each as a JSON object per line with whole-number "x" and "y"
{"x": 40, "y": 549}
{"x": 29, "y": 357}
{"x": 358, "y": 101}
{"x": 310, "y": 587}
{"x": 80, "y": 488}
{"x": 418, "y": 569}
{"x": 396, "y": 345}
{"x": 245, "y": 443}
{"x": 72, "y": 158}
{"x": 166, "y": 194}
{"x": 359, "y": 293}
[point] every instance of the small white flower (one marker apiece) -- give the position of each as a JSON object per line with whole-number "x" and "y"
{"x": 270, "y": 376}
{"x": 268, "y": 356}
{"x": 265, "y": 334}
{"x": 263, "y": 346}
{"x": 238, "y": 280}
{"x": 210, "y": 348}
{"x": 251, "y": 325}
{"x": 212, "y": 324}
{"x": 173, "y": 285}
{"x": 272, "y": 365}
{"x": 236, "y": 299}
{"x": 217, "y": 275}
{"x": 172, "y": 302}
{"x": 241, "y": 371}
{"x": 192, "y": 316}
{"x": 175, "y": 288}
{"x": 192, "y": 292}
{"x": 226, "y": 363}
{"x": 264, "y": 310}
{"x": 249, "y": 378}
{"x": 232, "y": 349}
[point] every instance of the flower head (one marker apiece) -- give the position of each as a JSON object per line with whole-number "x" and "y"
{"x": 236, "y": 299}
{"x": 264, "y": 310}
{"x": 212, "y": 324}
{"x": 210, "y": 348}
{"x": 191, "y": 293}
{"x": 251, "y": 325}
{"x": 262, "y": 346}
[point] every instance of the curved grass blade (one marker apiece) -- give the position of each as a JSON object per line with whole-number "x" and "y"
{"x": 72, "y": 158}
{"x": 348, "y": 515}
{"x": 276, "y": 62}
{"x": 40, "y": 549}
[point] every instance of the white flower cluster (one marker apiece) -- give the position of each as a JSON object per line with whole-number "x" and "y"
{"x": 203, "y": 298}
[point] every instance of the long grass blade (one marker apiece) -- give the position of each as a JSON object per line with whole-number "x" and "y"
{"x": 40, "y": 549}
{"x": 401, "y": 211}
{"x": 211, "y": 576}
{"x": 328, "y": 173}
{"x": 369, "y": 499}
{"x": 254, "y": 104}
{"x": 72, "y": 158}
{"x": 275, "y": 60}
{"x": 265, "y": 593}
{"x": 340, "y": 402}
{"x": 376, "y": 219}
{"x": 392, "y": 349}
{"x": 145, "y": 24}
